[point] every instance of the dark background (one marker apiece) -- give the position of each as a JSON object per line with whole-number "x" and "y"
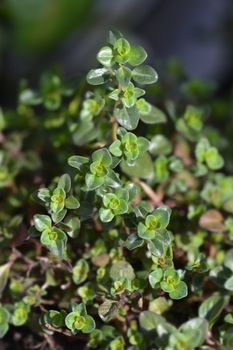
{"x": 37, "y": 34}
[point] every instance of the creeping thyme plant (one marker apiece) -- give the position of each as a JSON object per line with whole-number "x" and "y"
{"x": 130, "y": 248}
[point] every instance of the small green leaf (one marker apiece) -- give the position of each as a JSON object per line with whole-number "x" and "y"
{"x": 161, "y": 169}
{"x": 162, "y": 214}
{"x": 113, "y": 36}
{"x": 201, "y": 148}
{"x": 154, "y": 116}
{"x": 55, "y": 239}
{"x": 130, "y": 146}
{"x": 29, "y": 97}
{"x": 85, "y": 132}
{"x": 86, "y": 292}
{"x": 4, "y": 321}
{"x": 194, "y": 118}
{"x": 102, "y": 155}
{"x": 228, "y": 260}
{"x": 72, "y": 203}
{"x": 123, "y": 75}
{"x": 154, "y": 223}
{"x": 143, "y": 144}
{"x": 212, "y": 307}
{"x": 51, "y": 235}
{"x": 65, "y": 182}
{"x": 229, "y": 284}
{"x": 117, "y": 344}
{"x": 133, "y": 242}
{"x": 197, "y": 328}
{"x": 160, "y": 145}
{"x": 80, "y": 271}
{"x": 80, "y": 308}
{"x": 156, "y": 245}
{"x": 96, "y": 76}
{"x": 20, "y": 314}
{"x": 180, "y": 291}
{"x": 77, "y": 161}
{"x": 105, "y": 56}
{"x": 150, "y": 321}
{"x": 114, "y": 95}
{"x": 213, "y": 159}
{"x": 115, "y": 148}
{"x": 72, "y": 226}
{"x": 93, "y": 181}
{"x": 2, "y": 120}
{"x": 43, "y": 194}
{"x": 4, "y": 327}
{"x": 58, "y": 200}
{"x": 129, "y": 98}
{"x": 121, "y": 50}
{"x": 77, "y": 322}
{"x": 74, "y": 321}
{"x": 108, "y": 310}
{"x": 176, "y": 164}
{"x": 127, "y": 117}
{"x": 145, "y": 233}
{"x": 137, "y": 55}
{"x": 122, "y": 270}
{"x": 144, "y": 75}
{"x": 229, "y": 318}
{"x": 160, "y": 305}
{"x": 4, "y": 275}
{"x": 42, "y": 222}
{"x": 142, "y": 167}
{"x": 59, "y": 216}
{"x": 143, "y": 106}
{"x": 55, "y": 318}
{"x": 106, "y": 215}
{"x": 89, "y": 324}
{"x": 155, "y": 277}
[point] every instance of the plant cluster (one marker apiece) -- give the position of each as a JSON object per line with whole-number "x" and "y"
{"x": 131, "y": 247}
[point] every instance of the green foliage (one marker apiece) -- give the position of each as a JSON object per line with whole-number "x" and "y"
{"x": 55, "y": 318}
{"x": 169, "y": 281}
{"x": 205, "y": 153}
{"x": 192, "y": 123}
{"x": 20, "y": 313}
{"x": 78, "y": 320}
{"x": 114, "y": 204}
{"x": 80, "y": 271}
{"x": 129, "y": 146}
{"x": 155, "y": 223}
{"x": 117, "y": 59}
{"x": 131, "y": 248}
{"x": 212, "y": 307}
{"x": 189, "y": 335}
{"x": 4, "y": 321}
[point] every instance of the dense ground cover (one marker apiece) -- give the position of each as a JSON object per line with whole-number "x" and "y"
{"x": 116, "y": 216}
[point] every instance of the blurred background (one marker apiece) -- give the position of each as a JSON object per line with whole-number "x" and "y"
{"x": 37, "y": 34}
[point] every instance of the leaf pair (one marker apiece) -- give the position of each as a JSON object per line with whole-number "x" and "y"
{"x": 129, "y": 146}
{"x": 169, "y": 281}
{"x": 78, "y": 320}
{"x": 155, "y": 223}
{"x": 114, "y": 204}
{"x": 208, "y": 154}
{"x": 52, "y": 237}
